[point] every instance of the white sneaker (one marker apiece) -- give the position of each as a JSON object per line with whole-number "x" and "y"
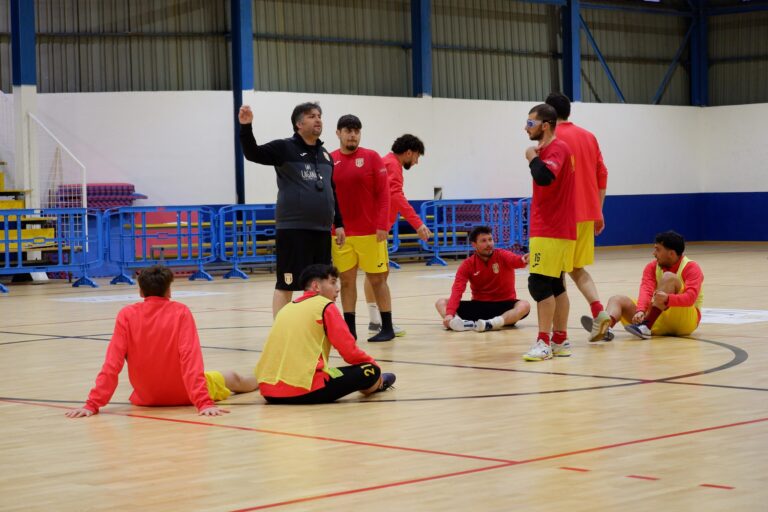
{"x": 600, "y": 325}
{"x": 640, "y": 330}
{"x": 539, "y": 351}
{"x": 561, "y": 349}
{"x": 483, "y": 325}
{"x": 459, "y": 324}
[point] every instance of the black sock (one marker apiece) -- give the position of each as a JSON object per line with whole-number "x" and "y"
{"x": 350, "y": 319}
{"x": 386, "y": 321}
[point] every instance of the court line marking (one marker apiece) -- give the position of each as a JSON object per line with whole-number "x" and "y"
{"x": 506, "y": 463}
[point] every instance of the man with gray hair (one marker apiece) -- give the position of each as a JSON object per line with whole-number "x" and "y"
{"x": 306, "y": 197}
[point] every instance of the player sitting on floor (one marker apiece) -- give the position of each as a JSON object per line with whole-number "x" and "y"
{"x": 491, "y": 276}
{"x": 159, "y": 340}
{"x": 670, "y": 298}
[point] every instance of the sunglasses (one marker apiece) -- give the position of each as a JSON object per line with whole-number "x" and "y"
{"x": 530, "y": 123}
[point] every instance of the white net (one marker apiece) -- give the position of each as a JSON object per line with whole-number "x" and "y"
{"x": 60, "y": 176}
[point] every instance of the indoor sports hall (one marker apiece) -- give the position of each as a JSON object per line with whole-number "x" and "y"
{"x": 119, "y": 149}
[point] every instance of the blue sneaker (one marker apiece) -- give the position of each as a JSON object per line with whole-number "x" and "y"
{"x": 640, "y": 330}
{"x": 387, "y": 380}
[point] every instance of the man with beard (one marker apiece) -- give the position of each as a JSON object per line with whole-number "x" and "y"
{"x": 552, "y": 232}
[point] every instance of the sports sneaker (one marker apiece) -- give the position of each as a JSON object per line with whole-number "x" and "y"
{"x": 539, "y": 351}
{"x": 561, "y": 349}
{"x": 639, "y": 330}
{"x": 399, "y": 331}
{"x": 483, "y": 325}
{"x": 587, "y": 322}
{"x": 459, "y": 324}
{"x": 387, "y": 380}
{"x": 599, "y": 325}
{"x": 383, "y": 335}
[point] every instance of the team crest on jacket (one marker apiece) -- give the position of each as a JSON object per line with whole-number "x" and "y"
{"x": 288, "y": 278}
{"x": 495, "y": 268}
{"x": 359, "y": 162}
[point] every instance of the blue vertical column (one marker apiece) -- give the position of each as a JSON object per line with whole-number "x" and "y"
{"x": 421, "y": 47}
{"x": 699, "y": 56}
{"x": 572, "y": 50}
{"x": 242, "y": 78}
{"x": 24, "y": 71}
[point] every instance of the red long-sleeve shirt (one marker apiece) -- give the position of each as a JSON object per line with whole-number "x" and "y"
{"x": 553, "y": 214}
{"x": 159, "y": 339}
{"x": 692, "y": 277}
{"x": 361, "y": 191}
{"x": 398, "y": 203}
{"x": 492, "y": 280}
{"x": 342, "y": 340}
{"x": 591, "y": 173}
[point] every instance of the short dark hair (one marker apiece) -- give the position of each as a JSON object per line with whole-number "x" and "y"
{"x": 317, "y": 271}
{"x": 561, "y": 104}
{"x": 672, "y": 240}
{"x": 545, "y": 113}
{"x": 479, "y": 230}
{"x": 155, "y": 281}
{"x": 301, "y": 109}
{"x": 350, "y": 122}
{"x": 406, "y": 142}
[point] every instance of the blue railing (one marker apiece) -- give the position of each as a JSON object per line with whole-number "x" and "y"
{"x": 246, "y": 235}
{"x": 67, "y": 240}
{"x": 139, "y": 236}
{"x": 78, "y": 240}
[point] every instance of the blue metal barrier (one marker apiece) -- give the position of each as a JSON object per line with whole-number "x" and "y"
{"x": 246, "y": 235}
{"x": 452, "y": 220}
{"x": 521, "y": 210}
{"x": 67, "y": 239}
{"x": 394, "y": 244}
{"x": 181, "y": 236}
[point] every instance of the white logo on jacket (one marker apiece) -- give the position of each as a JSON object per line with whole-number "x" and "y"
{"x": 359, "y": 162}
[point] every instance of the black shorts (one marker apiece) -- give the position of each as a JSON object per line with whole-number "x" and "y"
{"x": 483, "y": 310}
{"x": 296, "y": 250}
{"x": 353, "y": 378}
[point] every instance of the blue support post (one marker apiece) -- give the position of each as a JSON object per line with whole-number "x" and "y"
{"x": 699, "y": 56}
{"x": 23, "y": 42}
{"x": 602, "y": 60}
{"x": 242, "y": 78}
{"x": 672, "y": 66}
{"x": 421, "y": 47}
{"x": 572, "y": 50}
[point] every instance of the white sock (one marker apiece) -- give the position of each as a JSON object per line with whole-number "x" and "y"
{"x": 373, "y": 313}
{"x": 497, "y": 322}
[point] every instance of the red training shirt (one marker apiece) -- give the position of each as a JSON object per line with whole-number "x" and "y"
{"x": 159, "y": 338}
{"x": 398, "y": 203}
{"x": 342, "y": 340}
{"x": 361, "y": 191}
{"x": 692, "y": 277}
{"x": 552, "y": 206}
{"x": 591, "y": 173}
{"x": 491, "y": 281}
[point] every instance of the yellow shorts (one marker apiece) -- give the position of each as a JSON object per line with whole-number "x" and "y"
{"x": 217, "y": 388}
{"x": 584, "y": 254}
{"x": 673, "y": 321}
{"x": 361, "y": 251}
{"x": 551, "y": 256}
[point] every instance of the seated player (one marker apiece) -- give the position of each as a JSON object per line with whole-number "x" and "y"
{"x": 491, "y": 276}
{"x": 670, "y": 298}
{"x": 294, "y": 369}
{"x": 159, "y": 340}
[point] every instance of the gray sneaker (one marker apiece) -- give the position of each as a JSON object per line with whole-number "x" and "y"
{"x": 587, "y": 322}
{"x": 600, "y": 325}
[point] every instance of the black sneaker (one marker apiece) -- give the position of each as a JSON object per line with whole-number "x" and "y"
{"x": 384, "y": 335}
{"x": 387, "y": 380}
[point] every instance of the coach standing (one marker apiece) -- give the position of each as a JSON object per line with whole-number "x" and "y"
{"x": 306, "y": 200}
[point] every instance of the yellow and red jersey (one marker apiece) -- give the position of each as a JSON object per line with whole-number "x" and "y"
{"x": 591, "y": 173}
{"x": 553, "y": 213}
{"x": 362, "y": 191}
{"x": 398, "y": 203}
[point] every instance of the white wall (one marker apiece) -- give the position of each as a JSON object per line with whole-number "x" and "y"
{"x": 177, "y": 147}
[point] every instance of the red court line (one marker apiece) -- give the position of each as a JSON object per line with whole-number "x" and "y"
{"x": 506, "y": 463}
{"x": 581, "y": 470}
{"x": 372, "y": 488}
{"x": 278, "y": 433}
{"x": 641, "y": 477}
{"x": 728, "y": 487}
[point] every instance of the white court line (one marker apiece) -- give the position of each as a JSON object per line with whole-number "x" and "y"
{"x": 733, "y": 316}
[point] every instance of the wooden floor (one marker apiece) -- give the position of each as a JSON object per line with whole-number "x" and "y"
{"x": 668, "y": 424}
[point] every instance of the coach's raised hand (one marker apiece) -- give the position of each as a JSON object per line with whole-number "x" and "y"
{"x": 245, "y": 116}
